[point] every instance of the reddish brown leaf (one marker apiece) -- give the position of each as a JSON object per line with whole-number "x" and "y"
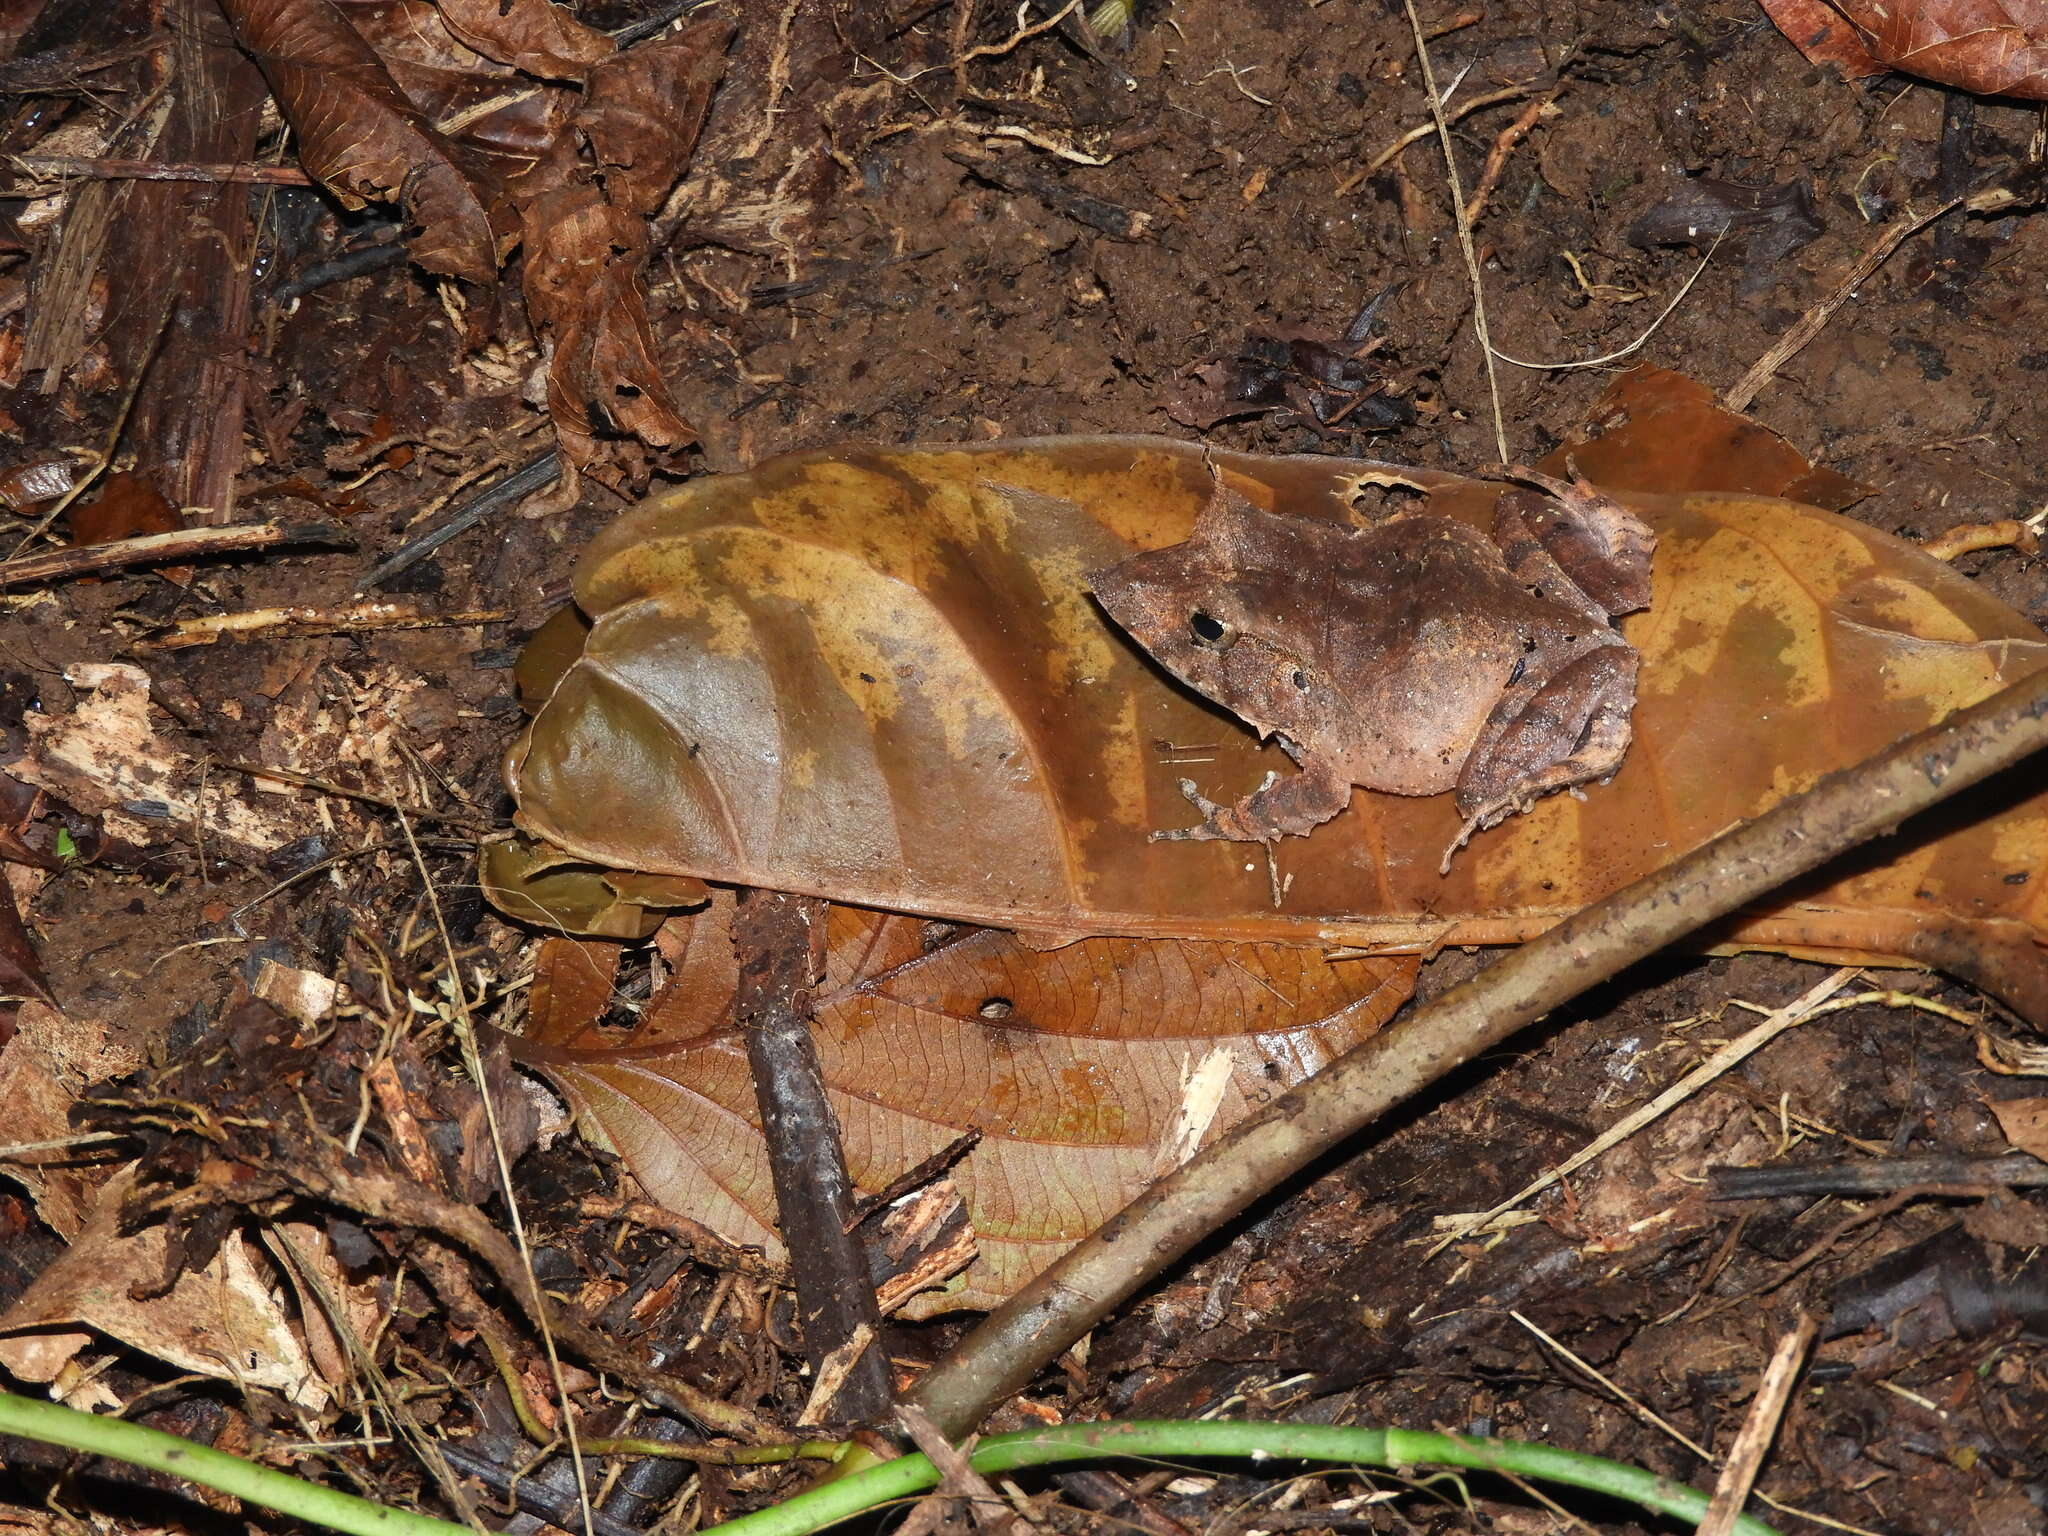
{"x": 1992, "y": 47}
{"x": 1075, "y": 1065}
{"x": 366, "y": 142}
{"x": 126, "y": 506}
{"x": 586, "y": 240}
{"x": 536, "y": 37}
{"x": 572, "y": 979}
{"x": 642, "y": 111}
{"x": 2025, "y": 1123}
{"x": 21, "y": 971}
{"x": 583, "y": 260}
{"x": 876, "y": 675}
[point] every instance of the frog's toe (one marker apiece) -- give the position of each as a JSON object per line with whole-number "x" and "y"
{"x": 1210, "y": 828}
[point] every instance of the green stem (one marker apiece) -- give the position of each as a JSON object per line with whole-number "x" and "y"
{"x": 829, "y": 1503}
{"x": 55, "y": 1424}
{"x": 1175, "y": 1439}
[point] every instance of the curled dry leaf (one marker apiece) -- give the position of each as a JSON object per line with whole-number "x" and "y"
{"x": 875, "y": 675}
{"x": 586, "y": 238}
{"x": 642, "y": 111}
{"x": 573, "y": 176}
{"x": 366, "y": 142}
{"x": 536, "y": 37}
{"x": 1992, "y": 47}
{"x": 541, "y": 885}
{"x": 1088, "y": 1070}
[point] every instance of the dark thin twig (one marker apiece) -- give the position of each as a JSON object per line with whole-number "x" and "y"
{"x": 780, "y": 939}
{"x": 358, "y": 262}
{"x": 1799, "y": 834}
{"x": 649, "y": 26}
{"x": 928, "y": 1171}
{"x": 1875, "y": 1176}
{"x": 369, "y": 797}
{"x": 503, "y": 492}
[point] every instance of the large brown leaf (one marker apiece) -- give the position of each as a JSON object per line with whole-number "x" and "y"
{"x": 1992, "y": 47}
{"x": 1073, "y": 1064}
{"x": 876, "y": 675}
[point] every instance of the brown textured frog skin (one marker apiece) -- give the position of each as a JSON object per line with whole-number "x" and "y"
{"x": 1417, "y": 655}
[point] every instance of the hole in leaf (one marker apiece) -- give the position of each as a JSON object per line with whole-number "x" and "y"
{"x": 996, "y": 1008}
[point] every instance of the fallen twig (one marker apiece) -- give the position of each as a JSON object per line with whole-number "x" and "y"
{"x": 45, "y": 167}
{"x": 1876, "y": 1176}
{"x": 1738, "y": 1476}
{"x": 368, "y": 797}
{"x": 287, "y": 623}
{"x": 780, "y": 941}
{"x": 407, "y": 1204}
{"x": 1815, "y": 1004}
{"x": 1422, "y": 131}
{"x": 537, "y": 475}
{"x": 174, "y": 548}
{"x": 1809, "y": 324}
{"x": 1043, "y": 1319}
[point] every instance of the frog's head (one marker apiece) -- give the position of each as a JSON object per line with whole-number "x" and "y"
{"x": 1219, "y": 613}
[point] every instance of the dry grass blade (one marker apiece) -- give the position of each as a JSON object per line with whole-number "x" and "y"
{"x": 1724, "y": 1060}
{"x": 472, "y": 1059}
{"x": 1463, "y": 214}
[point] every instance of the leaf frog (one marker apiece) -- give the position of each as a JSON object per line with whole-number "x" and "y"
{"x": 1415, "y": 655}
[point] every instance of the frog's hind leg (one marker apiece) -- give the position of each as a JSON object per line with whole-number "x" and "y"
{"x": 1519, "y": 760}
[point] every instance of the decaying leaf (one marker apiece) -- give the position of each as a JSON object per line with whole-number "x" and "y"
{"x": 875, "y": 675}
{"x": 453, "y": 111}
{"x": 223, "y": 1321}
{"x": 1084, "y": 1068}
{"x": 540, "y": 885}
{"x": 106, "y": 757}
{"x": 367, "y": 142}
{"x": 586, "y": 238}
{"x": 537, "y": 37}
{"x": 2025, "y": 1123}
{"x": 1992, "y": 47}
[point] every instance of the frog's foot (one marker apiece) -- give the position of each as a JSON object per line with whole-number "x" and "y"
{"x": 1280, "y": 807}
{"x": 1479, "y": 821}
{"x": 1220, "y": 823}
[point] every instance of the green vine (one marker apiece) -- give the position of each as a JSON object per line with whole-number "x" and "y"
{"x": 829, "y": 1503}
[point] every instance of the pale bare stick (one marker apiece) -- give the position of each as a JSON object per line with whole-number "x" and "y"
{"x": 289, "y": 623}
{"x": 1809, "y": 324}
{"x": 173, "y": 548}
{"x": 1746, "y": 1455}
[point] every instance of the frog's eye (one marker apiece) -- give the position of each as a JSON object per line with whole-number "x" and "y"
{"x": 1300, "y": 680}
{"x": 1210, "y": 632}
